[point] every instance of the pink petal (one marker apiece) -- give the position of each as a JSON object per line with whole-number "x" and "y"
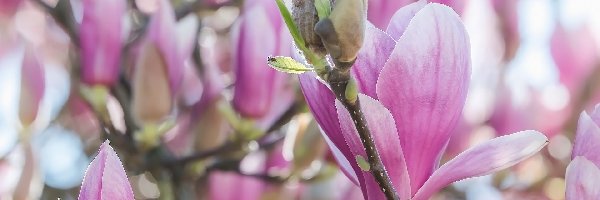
{"x": 457, "y": 5}
{"x": 321, "y": 100}
{"x": 187, "y": 32}
{"x": 345, "y": 166}
{"x": 151, "y": 101}
{"x": 489, "y": 157}
{"x": 282, "y": 99}
{"x": 105, "y": 178}
{"x": 575, "y": 56}
{"x": 178, "y": 140}
{"x": 383, "y": 128}
{"x": 252, "y": 98}
{"x": 509, "y": 24}
{"x": 101, "y": 39}
{"x": 587, "y": 140}
{"x": 161, "y": 31}
{"x": 191, "y": 85}
{"x": 9, "y": 7}
{"x": 271, "y": 10}
{"x": 212, "y": 87}
{"x": 424, "y": 85}
{"x": 583, "y": 178}
{"x": 376, "y": 49}
{"x": 32, "y": 87}
{"x": 380, "y": 11}
{"x": 283, "y": 92}
{"x": 223, "y": 185}
{"x": 402, "y": 17}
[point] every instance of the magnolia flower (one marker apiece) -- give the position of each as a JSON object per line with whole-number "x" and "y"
{"x": 583, "y": 173}
{"x": 105, "y": 178}
{"x": 575, "y": 55}
{"x": 222, "y": 185}
{"x": 101, "y": 39}
{"x": 457, "y": 5}
{"x": 509, "y": 25}
{"x": 159, "y": 70}
{"x": 246, "y": 187}
{"x": 32, "y": 88}
{"x": 381, "y": 11}
{"x": 413, "y": 79}
{"x": 9, "y": 7}
{"x": 258, "y": 87}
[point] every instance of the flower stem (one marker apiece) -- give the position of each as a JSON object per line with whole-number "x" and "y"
{"x": 338, "y": 79}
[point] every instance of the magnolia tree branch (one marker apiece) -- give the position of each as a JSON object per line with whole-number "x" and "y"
{"x": 190, "y": 7}
{"x": 339, "y": 79}
{"x": 267, "y": 141}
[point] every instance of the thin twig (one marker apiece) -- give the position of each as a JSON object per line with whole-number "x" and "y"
{"x": 224, "y": 148}
{"x": 197, "y": 5}
{"x": 265, "y": 142}
{"x": 121, "y": 92}
{"x": 338, "y": 79}
{"x": 286, "y": 116}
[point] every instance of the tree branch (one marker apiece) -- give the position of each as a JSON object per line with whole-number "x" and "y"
{"x": 338, "y": 79}
{"x": 194, "y": 6}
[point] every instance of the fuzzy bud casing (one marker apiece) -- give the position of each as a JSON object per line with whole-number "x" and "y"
{"x": 305, "y": 18}
{"x": 343, "y": 31}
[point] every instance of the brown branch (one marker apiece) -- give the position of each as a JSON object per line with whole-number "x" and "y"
{"x": 197, "y": 5}
{"x": 338, "y": 79}
{"x": 267, "y": 141}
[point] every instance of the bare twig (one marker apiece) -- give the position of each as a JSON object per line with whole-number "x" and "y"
{"x": 338, "y": 79}
{"x": 191, "y": 7}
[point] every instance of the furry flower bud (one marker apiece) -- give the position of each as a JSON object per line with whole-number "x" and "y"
{"x": 343, "y": 31}
{"x": 305, "y": 18}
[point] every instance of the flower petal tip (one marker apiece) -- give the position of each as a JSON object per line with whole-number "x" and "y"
{"x": 105, "y": 177}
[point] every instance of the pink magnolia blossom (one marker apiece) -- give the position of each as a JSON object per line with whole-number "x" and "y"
{"x": 413, "y": 79}
{"x": 258, "y": 87}
{"x": 231, "y": 186}
{"x": 159, "y": 71}
{"x": 583, "y": 173}
{"x": 32, "y": 87}
{"x": 381, "y": 11}
{"x": 575, "y": 55}
{"x": 248, "y": 187}
{"x": 9, "y": 7}
{"x": 161, "y": 32}
{"x": 101, "y": 40}
{"x": 506, "y": 10}
{"x": 105, "y": 178}
{"x": 508, "y": 116}
{"x": 457, "y": 5}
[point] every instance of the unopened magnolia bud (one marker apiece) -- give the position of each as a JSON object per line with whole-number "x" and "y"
{"x": 32, "y": 88}
{"x": 309, "y": 145}
{"x": 343, "y": 31}
{"x": 151, "y": 94}
{"x": 305, "y": 17}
